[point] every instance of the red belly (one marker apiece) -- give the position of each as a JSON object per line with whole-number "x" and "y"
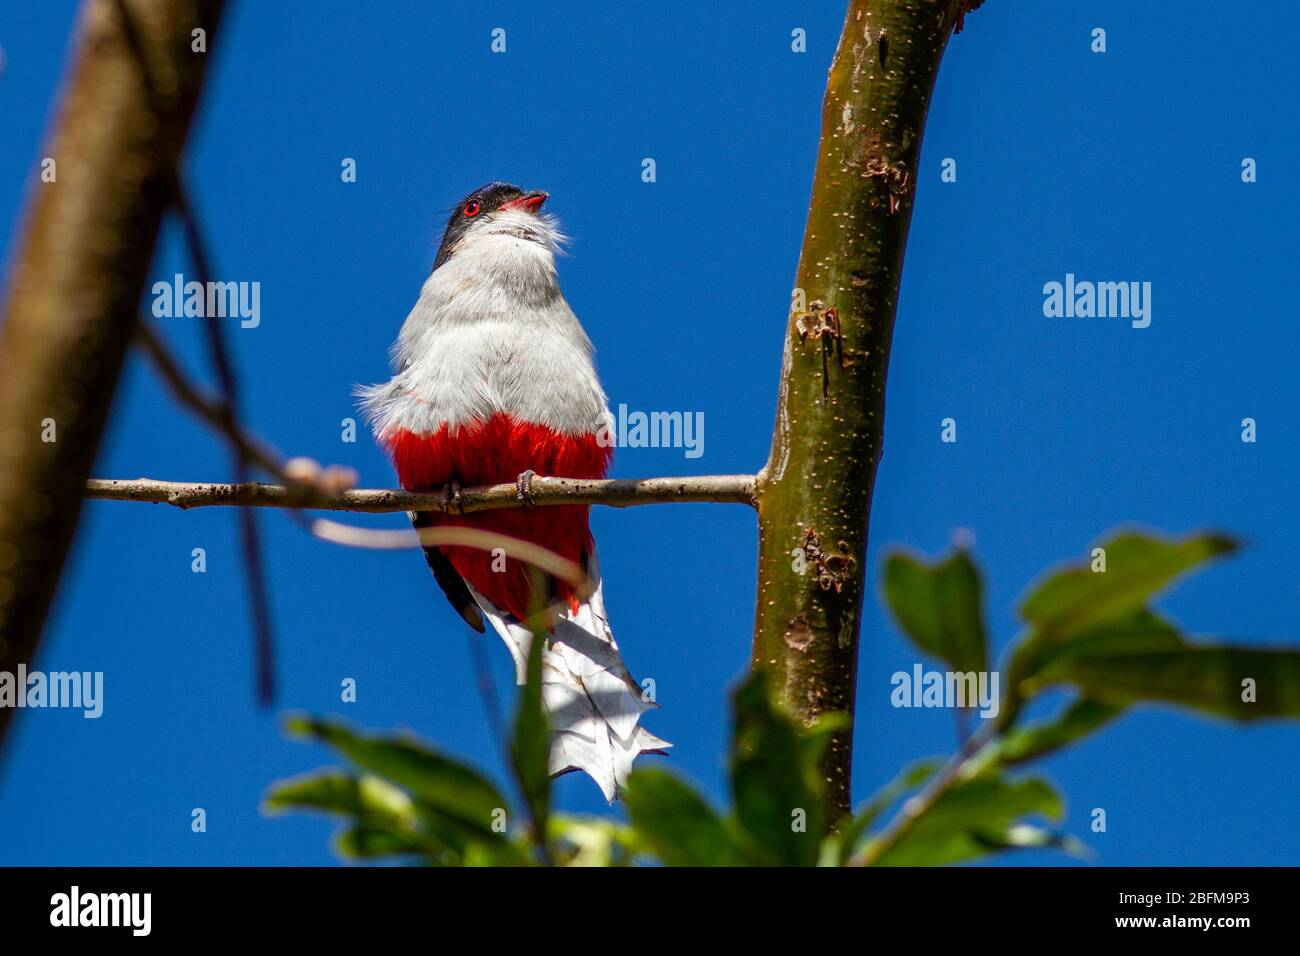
{"x": 495, "y": 452}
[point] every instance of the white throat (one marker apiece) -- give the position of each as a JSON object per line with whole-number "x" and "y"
{"x": 514, "y": 248}
{"x": 491, "y": 332}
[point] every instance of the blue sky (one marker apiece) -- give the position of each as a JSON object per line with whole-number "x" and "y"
{"x": 1117, "y": 166}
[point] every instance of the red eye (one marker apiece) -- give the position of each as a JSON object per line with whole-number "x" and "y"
{"x": 471, "y": 208}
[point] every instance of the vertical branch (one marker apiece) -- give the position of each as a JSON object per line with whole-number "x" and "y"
{"x": 250, "y": 538}
{"x": 814, "y": 494}
{"x": 73, "y": 293}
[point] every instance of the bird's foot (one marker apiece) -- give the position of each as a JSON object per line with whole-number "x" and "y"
{"x": 524, "y": 488}
{"x": 451, "y": 495}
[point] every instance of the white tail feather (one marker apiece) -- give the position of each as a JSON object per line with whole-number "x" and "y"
{"x": 593, "y": 703}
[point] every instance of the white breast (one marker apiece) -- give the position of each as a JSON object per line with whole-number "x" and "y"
{"x": 491, "y": 333}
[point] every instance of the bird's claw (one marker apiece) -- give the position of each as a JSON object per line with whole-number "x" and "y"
{"x": 451, "y": 494}
{"x": 524, "y": 488}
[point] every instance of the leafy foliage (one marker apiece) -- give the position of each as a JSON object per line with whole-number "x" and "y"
{"x": 531, "y": 747}
{"x": 677, "y": 824}
{"x": 939, "y": 607}
{"x": 1137, "y": 566}
{"x": 973, "y": 817}
{"x": 1089, "y": 627}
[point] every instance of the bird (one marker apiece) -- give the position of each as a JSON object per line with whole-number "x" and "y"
{"x": 494, "y": 382}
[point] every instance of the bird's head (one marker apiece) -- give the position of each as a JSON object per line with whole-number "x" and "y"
{"x": 497, "y": 209}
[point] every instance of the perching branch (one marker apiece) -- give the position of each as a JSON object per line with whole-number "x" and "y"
{"x": 618, "y": 493}
{"x": 814, "y": 494}
{"x": 74, "y": 288}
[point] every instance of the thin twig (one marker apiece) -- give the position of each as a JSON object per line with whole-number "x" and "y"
{"x": 306, "y": 485}
{"x": 529, "y": 553}
{"x": 259, "y": 598}
{"x": 618, "y": 493}
{"x": 910, "y": 814}
{"x": 957, "y": 769}
{"x": 211, "y": 410}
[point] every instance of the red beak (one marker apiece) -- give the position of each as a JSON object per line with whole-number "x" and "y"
{"x": 529, "y": 201}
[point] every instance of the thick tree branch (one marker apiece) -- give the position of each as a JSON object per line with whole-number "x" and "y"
{"x": 73, "y": 292}
{"x": 814, "y": 494}
{"x": 618, "y": 493}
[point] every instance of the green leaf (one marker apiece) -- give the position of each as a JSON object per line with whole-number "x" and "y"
{"x": 593, "y": 841}
{"x": 939, "y": 607}
{"x": 675, "y": 822}
{"x": 1136, "y": 632}
{"x": 774, "y": 778}
{"x": 531, "y": 748}
{"x": 990, "y": 800}
{"x": 385, "y": 820}
{"x": 962, "y": 847}
{"x": 364, "y": 798}
{"x": 445, "y": 787}
{"x": 1079, "y": 719}
{"x": 1137, "y": 567}
{"x": 844, "y": 841}
{"x": 979, "y": 842}
{"x": 503, "y": 853}
{"x": 1205, "y": 678}
{"x": 369, "y": 843}
{"x": 968, "y": 820}
{"x": 1022, "y": 836}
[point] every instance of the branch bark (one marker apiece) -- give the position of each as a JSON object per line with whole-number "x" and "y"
{"x": 73, "y": 293}
{"x": 814, "y": 494}
{"x": 619, "y": 493}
